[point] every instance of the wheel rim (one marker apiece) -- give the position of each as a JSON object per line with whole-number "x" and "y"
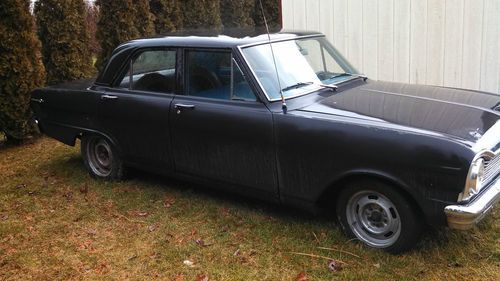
{"x": 100, "y": 156}
{"x": 373, "y": 218}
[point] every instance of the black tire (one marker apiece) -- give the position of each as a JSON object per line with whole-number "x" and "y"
{"x": 379, "y": 216}
{"x": 101, "y": 158}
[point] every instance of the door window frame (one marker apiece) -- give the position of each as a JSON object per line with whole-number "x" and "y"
{"x": 234, "y": 60}
{"x": 125, "y": 69}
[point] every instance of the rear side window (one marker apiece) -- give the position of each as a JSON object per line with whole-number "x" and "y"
{"x": 216, "y": 75}
{"x": 152, "y": 71}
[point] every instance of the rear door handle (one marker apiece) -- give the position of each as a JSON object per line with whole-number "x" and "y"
{"x": 109, "y": 97}
{"x": 179, "y": 107}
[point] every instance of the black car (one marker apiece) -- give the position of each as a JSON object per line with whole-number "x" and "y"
{"x": 291, "y": 122}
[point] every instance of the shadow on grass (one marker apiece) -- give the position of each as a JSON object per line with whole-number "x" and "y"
{"x": 71, "y": 169}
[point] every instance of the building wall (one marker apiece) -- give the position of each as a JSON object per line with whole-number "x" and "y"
{"x": 454, "y": 43}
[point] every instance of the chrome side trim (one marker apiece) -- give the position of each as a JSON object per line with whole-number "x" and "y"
{"x": 40, "y": 101}
{"x": 490, "y": 140}
{"x": 464, "y": 217}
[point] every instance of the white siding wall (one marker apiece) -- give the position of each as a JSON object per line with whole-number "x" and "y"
{"x": 452, "y": 43}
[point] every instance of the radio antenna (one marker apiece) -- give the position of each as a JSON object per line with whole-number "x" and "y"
{"x": 283, "y": 102}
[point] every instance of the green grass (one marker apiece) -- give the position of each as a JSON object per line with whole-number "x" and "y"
{"x": 57, "y": 223}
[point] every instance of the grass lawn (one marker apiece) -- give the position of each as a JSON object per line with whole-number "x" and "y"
{"x": 57, "y": 223}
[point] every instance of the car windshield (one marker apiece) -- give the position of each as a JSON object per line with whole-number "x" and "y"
{"x": 303, "y": 66}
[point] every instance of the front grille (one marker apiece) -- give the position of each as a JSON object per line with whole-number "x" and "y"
{"x": 491, "y": 169}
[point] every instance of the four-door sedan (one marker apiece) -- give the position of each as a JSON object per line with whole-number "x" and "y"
{"x": 290, "y": 122}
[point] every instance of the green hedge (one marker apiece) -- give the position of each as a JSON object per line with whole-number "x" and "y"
{"x": 65, "y": 39}
{"x": 272, "y": 12}
{"x": 167, "y": 15}
{"x": 21, "y": 67}
{"x": 202, "y": 15}
{"x": 143, "y": 19}
{"x": 237, "y": 13}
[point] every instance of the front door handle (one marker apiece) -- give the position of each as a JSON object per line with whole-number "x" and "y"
{"x": 179, "y": 107}
{"x": 109, "y": 97}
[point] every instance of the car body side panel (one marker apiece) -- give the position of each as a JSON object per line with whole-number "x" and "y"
{"x": 228, "y": 141}
{"x": 62, "y": 112}
{"x": 316, "y": 151}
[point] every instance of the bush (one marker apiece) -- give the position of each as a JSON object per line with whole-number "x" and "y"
{"x": 116, "y": 25}
{"x": 167, "y": 15}
{"x": 201, "y": 15}
{"x": 143, "y": 19}
{"x": 63, "y": 32}
{"x": 21, "y": 67}
{"x": 272, "y": 12}
{"x": 237, "y": 13}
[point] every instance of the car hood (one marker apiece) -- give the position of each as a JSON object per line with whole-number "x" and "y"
{"x": 460, "y": 113}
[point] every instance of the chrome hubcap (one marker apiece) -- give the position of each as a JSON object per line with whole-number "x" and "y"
{"x": 100, "y": 156}
{"x": 373, "y": 218}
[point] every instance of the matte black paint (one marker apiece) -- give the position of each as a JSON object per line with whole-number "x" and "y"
{"x": 419, "y": 138}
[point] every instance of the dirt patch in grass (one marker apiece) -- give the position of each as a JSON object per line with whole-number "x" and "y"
{"x": 57, "y": 223}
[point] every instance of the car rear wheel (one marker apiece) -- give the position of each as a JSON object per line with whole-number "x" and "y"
{"x": 379, "y": 216}
{"x": 101, "y": 158}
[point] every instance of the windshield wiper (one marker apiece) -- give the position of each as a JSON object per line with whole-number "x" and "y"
{"x": 301, "y": 84}
{"x": 296, "y": 86}
{"x": 340, "y": 75}
{"x": 349, "y": 74}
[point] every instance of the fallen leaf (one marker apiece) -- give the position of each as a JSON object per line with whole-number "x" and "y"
{"x": 236, "y": 253}
{"x": 188, "y": 263}
{"x": 377, "y": 265}
{"x": 168, "y": 202}
{"x": 202, "y": 278}
{"x": 151, "y": 228}
{"x": 92, "y": 232}
{"x": 68, "y": 195}
{"x": 334, "y": 266}
{"x": 301, "y": 277}
{"x": 84, "y": 189}
{"x": 178, "y": 277}
{"x": 142, "y": 214}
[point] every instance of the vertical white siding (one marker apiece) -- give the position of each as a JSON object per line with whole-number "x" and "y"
{"x": 453, "y": 43}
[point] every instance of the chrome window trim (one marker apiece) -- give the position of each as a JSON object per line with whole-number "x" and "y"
{"x": 280, "y": 40}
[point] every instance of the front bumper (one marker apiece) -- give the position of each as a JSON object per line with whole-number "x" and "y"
{"x": 463, "y": 217}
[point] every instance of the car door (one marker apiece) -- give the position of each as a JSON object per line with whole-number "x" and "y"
{"x": 135, "y": 112}
{"x": 220, "y": 130}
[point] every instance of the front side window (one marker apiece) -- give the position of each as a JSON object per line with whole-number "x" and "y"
{"x": 302, "y": 65}
{"x": 152, "y": 71}
{"x": 216, "y": 75}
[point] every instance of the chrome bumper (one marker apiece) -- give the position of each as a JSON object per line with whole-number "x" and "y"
{"x": 463, "y": 217}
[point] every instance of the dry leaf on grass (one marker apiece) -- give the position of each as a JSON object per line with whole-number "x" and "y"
{"x": 142, "y": 214}
{"x": 188, "y": 263}
{"x": 301, "y": 277}
{"x": 202, "y": 278}
{"x": 334, "y": 265}
{"x": 168, "y": 202}
{"x": 178, "y": 277}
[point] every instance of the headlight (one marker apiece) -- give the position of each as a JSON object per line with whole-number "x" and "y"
{"x": 474, "y": 180}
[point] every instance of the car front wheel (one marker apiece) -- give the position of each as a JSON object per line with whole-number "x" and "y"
{"x": 101, "y": 158}
{"x": 379, "y": 216}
